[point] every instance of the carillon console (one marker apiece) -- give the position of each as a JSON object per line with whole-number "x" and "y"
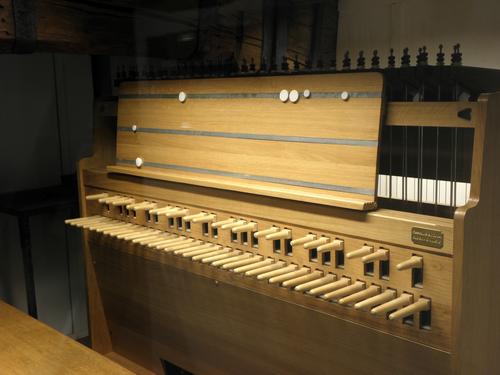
{"x": 293, "y": 224}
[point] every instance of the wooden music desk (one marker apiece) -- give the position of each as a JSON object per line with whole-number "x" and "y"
{"x": 28, "y": 346}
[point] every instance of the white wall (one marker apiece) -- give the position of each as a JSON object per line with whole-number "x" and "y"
{"x": 382, "y": 24}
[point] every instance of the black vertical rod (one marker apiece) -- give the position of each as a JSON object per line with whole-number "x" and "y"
{"x": 29, "y": 280}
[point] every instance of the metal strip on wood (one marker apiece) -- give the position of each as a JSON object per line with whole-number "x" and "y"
{"x": 259, "y": 137}
{"x": 245, "y": 176}
{"x": 251, "y": 95}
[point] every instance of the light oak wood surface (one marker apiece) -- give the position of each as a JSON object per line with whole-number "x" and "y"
{"x": 28, "y": 346}
{"x": 476, "y": 287}
{"x": 104, "y": 153}
{"x": 340, "y": 199}
{"x": 334, "y": 173}
{"x": 350, "y": 166}
{"x": 232, "y": 116}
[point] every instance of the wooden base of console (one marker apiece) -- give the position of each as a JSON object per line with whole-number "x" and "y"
{"x": 155, "y": 308}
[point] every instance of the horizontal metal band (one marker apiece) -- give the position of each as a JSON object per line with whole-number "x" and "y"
{"x": 258, "y": 137}
{"x": 251, "y": 95}
{"x": 245, "y": 176}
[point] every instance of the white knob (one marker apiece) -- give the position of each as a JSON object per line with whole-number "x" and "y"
{"x": 307, "y": 93}
{"x": 294, "y": 96}
{"x": 134, "y": 128}
{"x": 284, "y": 95}
{"x": 344, "y": 96}
{"x": 139, "y": 162}
{"x": 182, "y": 96}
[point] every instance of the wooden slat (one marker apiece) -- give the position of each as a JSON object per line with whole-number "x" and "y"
{"x": 319, "y": 147}
{"x": 345, "y": 200}
{"x": 442, "y": 114}
{"x": 307, "y": 118}
{"x": 348, "y": 166}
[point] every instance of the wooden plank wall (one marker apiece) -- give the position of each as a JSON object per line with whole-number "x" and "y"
{"x": 227, "y": 30}
{"x": 109, "y": 27}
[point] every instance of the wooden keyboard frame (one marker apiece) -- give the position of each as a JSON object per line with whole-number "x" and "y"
{"x": 280, "y": 332}
{"x": 437, "y": 269}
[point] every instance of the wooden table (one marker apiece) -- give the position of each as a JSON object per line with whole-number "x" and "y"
{"x": 28, "y": 346}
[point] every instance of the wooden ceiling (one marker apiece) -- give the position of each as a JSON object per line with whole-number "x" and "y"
{"x": 178, "y": 30}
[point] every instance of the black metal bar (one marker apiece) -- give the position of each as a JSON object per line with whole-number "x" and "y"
{"x": 268, "y": 31}
{"x": 420, "y": 165}
{"x": 281, "y": 46}
{"x": 29, "y": 280}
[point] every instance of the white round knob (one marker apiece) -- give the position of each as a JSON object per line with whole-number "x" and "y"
{"x": 134, "y": 128}
{"x": 182, "y": 96}
{"x": 344, "y": 96}
{"x": 307, "y": 93}
{"x": 294, "y": 96}
{"x": 139, "y": 162}
{"x": 284, "y": 95}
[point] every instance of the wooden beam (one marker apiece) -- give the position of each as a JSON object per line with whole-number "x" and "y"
{"x": 6, "y": 26}
{"x": 109, "y": 27}
{"x": 443, "y": 114}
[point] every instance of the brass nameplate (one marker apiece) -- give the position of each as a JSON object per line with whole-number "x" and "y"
{"x": 427, "y": 237}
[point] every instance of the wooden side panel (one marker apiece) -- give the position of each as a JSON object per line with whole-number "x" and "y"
{"x": 156, "y": 311}
{"x": 238, "y": 131}
{"x": 104, "y": 136}
{"x": 476, "y": 283}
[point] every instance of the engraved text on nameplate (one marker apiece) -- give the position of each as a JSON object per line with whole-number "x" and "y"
{"x": 427, "y": 237}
